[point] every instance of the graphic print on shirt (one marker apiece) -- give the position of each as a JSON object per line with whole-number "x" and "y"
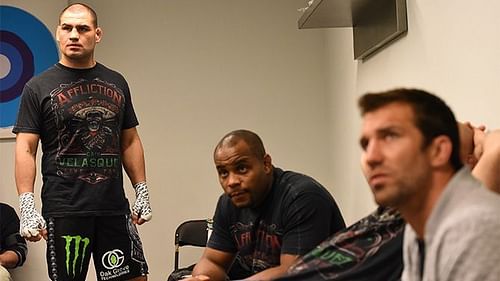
{"x": 87, "y": 119}
{"x": 347, "y": 250}
{"x": 258, "y": 247}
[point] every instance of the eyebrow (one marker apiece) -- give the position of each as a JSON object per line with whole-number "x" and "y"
{"x": 76, "y": 25}
{"x": 381, "y": 131}
{"x": 387, "y": 129}
{"x": 238, "y": 161}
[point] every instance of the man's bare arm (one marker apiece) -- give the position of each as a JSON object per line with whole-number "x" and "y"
{"x": 134, "y": 165}
{"x": 487, "y": 169}
{"x": 133, "y": 155}
{"x": 212, "y": 265}
{"x": 25, "y": 161}
{"x": 32, "y": 224}
{"x": 274, "y": 272}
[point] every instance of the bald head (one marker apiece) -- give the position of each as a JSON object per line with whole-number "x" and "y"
{"x": 255, "y": 145}
{"x": 80, "y": 7}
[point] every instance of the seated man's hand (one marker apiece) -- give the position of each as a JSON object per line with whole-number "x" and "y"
{"x": 471, "y": 142}
{"x": 479, "y": 137}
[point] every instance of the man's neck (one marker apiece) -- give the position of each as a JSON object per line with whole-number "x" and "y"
{"x": 78, "y": 64}
{"x": 418, "y": 210}
{"x": 268, "y": 191}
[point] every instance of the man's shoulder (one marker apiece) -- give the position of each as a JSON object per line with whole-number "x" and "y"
{"x": 4, "y": 206}
{"x": 482, "y": 204}
{"x": 103, "y": 68}
{"x": 42, "y": 76}
{"x": 465, "y": 198}
{"x": 7, "y": 211}
{"x": 292, "y": 177}
{"x": 224, "y": 203}
{"x": 476, "y": 213}
{"x": 106, "y": 68}
{"x": 298, "y": 182}
{"x": 474, "y": 200}
{"x": 468, "y": 235}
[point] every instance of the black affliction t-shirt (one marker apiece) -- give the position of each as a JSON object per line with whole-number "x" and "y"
{"x": 79, "y": 115}
{"x": 296, "y": 215}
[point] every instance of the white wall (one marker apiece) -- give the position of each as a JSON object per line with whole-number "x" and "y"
{"x": 34, "y": 268}
{"x": 450, "y": 50}
{"x": 198, "y": 69}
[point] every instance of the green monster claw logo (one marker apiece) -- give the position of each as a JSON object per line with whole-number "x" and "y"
{"x": 78, "y": 240}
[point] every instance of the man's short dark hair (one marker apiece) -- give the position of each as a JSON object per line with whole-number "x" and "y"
{"x": 433, "y": 117}
{"x": 250, "y": 138}
{"x": 91, "y": 11}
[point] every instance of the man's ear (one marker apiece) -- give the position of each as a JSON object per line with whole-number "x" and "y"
{"x": 268, "y": 165}
{"x": 98, "y": 35}
{"x": 57, "y": 33}
{"x": 440, "y": 151}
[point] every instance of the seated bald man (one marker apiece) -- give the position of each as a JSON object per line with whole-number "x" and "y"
{"x": 266, "y": 218}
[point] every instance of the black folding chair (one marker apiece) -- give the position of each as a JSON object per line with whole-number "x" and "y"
{"x": 190, "y": 233}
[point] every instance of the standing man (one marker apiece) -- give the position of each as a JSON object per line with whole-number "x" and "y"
{"x": 82, "y": 112}
{"x": 266, "y": 217}
{"x": 411, "y": 160}
{"x": 13, "y": 248}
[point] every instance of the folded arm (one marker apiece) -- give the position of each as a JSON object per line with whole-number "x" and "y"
{"x": 480, "y": 150}
{"x": 212, "y": 265}
{"x": 274, "y": 272}
{"x": 488, "y": 166}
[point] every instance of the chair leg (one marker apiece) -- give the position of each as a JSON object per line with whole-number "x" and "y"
{"x": 176, "y": 258}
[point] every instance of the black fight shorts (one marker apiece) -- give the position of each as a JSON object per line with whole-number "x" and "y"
{"x": 112, "y": 241}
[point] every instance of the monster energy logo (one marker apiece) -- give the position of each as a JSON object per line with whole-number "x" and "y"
{"x": 73, "y": 244}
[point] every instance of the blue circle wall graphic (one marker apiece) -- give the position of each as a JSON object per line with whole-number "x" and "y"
{"x": 26, "y": 49}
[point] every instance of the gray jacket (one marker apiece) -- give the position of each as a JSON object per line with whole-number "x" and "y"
{"x": 462, "y": 235}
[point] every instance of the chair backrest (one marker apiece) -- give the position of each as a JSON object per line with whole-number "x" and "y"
{"x": 190, "y": 233}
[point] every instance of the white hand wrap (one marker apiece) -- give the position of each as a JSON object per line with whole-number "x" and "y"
{"x": 141, "y": 207}
{"x": 31, "y": 221}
